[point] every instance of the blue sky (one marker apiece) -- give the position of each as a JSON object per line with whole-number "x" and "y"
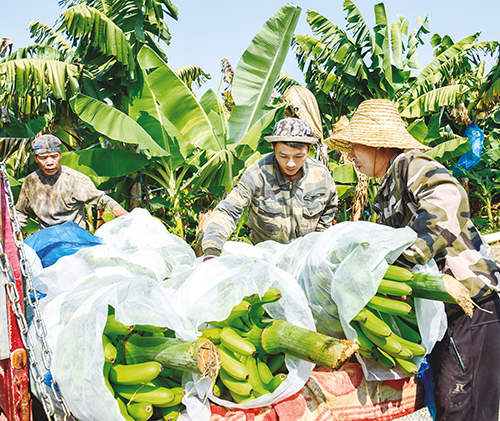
{"x": 208, "y": 31}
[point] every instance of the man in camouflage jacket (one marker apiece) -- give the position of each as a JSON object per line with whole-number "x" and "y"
{"x": 418, "y": 192}
{"x": 288, "y": 193}
{"x": 56, "y": 194}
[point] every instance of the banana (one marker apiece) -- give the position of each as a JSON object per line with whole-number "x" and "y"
{"x": 212, "y": 334}
{"x": 240, "y": 387}
{"x": 145, "y": 393}
{"x": 257, "y": 312}
{"x": 114, "y": 328}
{"x": 150, "y": 329}
{"x": 276, "y": 381}
{"x": 170, "y": 413}
{"x": 239, "y": 398}
{"x": 407, "y": 332}
{"x": 408, "y": 367}
{"x": 384, "y": 359}
{"x": 134, "y": 373}
{"x": 389, "y": 305}
{"x": 276, "y": 362}
{"x": 238, "y": 323}
{"x": 364, "y": 343}
{"x": 388, "y": 344}
{"x": 367, "y": 354}
{"x": 166, "y": 372}
{"x": 238, "y": 310}
{"x": 265, "y": 372}
{"x": 168, "y": 381}
{"x": 140, "y": 411}
{"x": 398, "y": 273}
{"x": 271, "y": 295}
{"x": 233, "y": 341}
{"x": 373, "y": 323}
{"x": 394, "y": 288}
{"x": 232, "y": 365}
{"x": 105, "y": 372}
{"x": 123, "y": 410}
{"x": 179, "y": 393}
{"x": 411, "y": 320}
{"x": 416, "y": 349}
{"x": 109, "y": 349}
{"x": 254, "y": 378}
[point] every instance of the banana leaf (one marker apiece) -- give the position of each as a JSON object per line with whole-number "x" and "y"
{"x": 105, "y": 162}
{"x": 177, "y": 102}
{"x": 259, "y": 68}
{"x": 344, "y": 173}
{"x": 450, "y": 149}
{"x": 114, "y": 124}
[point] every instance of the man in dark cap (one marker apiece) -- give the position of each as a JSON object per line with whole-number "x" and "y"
{"x": 56, "y": 194}
{"x": 288, "y": 193}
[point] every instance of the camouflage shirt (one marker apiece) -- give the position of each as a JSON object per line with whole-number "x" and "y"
{"x": 278, "y": 209}
{"x": 420, "y": 193}
{"x": 59, "y": 198}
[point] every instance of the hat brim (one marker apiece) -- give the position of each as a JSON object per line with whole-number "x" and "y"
{"x": 305, "y": 140}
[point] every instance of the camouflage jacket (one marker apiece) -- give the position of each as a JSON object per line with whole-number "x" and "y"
{"x": 420, "y": 193}
{"x": 278, "y": 209}
{"x": 59, "y": 198}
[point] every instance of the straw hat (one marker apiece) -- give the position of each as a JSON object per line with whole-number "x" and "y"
{"x": 375, "y": 123}
{"x": 292, "y": 130}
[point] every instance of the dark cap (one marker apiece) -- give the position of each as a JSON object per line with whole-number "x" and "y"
{"x": 46, "y": 144}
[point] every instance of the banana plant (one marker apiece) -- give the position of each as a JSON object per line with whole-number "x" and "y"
{"x": 204, "y": 146}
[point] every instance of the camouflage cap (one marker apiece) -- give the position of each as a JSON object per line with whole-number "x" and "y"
{"x": 292, "y": 130}
{"x": 46, "y": 144}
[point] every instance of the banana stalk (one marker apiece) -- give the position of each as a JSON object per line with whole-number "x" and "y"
{"x": 282, "y": 336}
{"x": 200, "y": 356}
{"x": 441, "y": 288}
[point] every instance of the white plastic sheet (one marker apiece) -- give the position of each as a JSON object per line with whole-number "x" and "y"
{"x": 212, "y": 290}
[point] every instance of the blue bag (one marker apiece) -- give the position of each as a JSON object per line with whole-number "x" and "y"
{"x": 60, "y": 240}
{"x": 426, "y": 377}
{"x": 472, "y": 157}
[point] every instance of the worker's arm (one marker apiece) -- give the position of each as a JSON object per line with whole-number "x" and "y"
{"x": 442, "y": 209}
{"x": 23, "y": 208}
{"x": 326, "y": 218}
{"x": 226, "y": 215}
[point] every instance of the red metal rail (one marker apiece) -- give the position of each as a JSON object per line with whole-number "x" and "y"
{"x": 14, "y": 388}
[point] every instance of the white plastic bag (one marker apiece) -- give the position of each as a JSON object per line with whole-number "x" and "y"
{"x": 212, "y": 290}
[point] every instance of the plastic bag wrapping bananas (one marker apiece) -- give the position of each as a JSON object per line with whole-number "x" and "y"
{"x": 224, "y": 281}
{"x": 80, "y": 289}
{"x": 340, "y": 269}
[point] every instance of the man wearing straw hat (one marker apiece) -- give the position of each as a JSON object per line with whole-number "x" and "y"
{"x": 288, "y": 193}
{"x": 418, "y": 192}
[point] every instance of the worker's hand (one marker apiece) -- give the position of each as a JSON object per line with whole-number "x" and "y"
{"x": 118, "y": 211}
{"x": 210, "y": 253}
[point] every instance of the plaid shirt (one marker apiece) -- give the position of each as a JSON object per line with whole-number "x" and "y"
{"x": 420, "y": 193}
{"x": 59, "y": 198}
{"x": 278, "y": 209}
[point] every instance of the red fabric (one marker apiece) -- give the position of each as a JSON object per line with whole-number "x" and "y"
{"x": 14, "y": 390}
{"x": 342, "y": 395}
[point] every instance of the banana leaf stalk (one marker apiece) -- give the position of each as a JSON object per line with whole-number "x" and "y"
{"x": 282, "y": 336}
{"x": 441, "y": 288}
{"x": 200, "y": 356}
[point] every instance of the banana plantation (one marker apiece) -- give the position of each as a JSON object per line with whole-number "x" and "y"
{"x": 101, "y": 82}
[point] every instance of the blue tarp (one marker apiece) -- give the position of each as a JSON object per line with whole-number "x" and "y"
{"x": 60, "y": 240}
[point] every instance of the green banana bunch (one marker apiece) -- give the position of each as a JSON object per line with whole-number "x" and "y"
{"x": 245, "y": 371}
{"x": 387, "y": 328}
